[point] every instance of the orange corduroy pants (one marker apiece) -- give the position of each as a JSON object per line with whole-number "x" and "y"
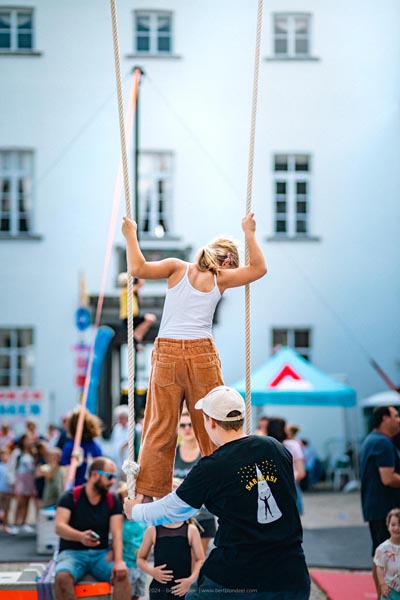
{"x": 182, "y": 370}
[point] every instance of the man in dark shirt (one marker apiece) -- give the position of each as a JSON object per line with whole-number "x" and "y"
{"x": 380, "y": 475}
{"x": 84, "y": 519}
{"x": 248, "y": 483}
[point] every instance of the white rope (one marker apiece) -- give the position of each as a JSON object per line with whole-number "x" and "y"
{"x": 248, "y": 207}
{"x": 130, "y": 467}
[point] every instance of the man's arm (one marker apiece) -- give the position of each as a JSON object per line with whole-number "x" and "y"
{"x": 389, "y": 477}
{"x": 116, "y": 524}
{"x": 66, "y": 532}
{"x": 170, "y": 509}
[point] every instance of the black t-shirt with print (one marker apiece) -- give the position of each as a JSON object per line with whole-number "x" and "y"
{"x": 249, "y": 485}
{"x": 85, "y": 515}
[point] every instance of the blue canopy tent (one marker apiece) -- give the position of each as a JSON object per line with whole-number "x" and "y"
{"x": 287, "y": 378}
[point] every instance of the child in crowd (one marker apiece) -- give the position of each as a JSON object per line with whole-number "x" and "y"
{"x": 54, "y": 476}
{"x": 387, "y": 558}
{"x": 141, "y": 323}
{"x": 185, "y": 363}
{"x": 24, "y": 483}
{"x": 132, "y": 537}
{"x": 5, "y": 488}
{"x": 178, "y": 556}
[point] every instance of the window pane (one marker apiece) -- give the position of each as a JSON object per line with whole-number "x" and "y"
{"x": 280, "y": 226}
{"x": 143, "y": 44}
{"x": 280, "y": 187}
{"x": 301, "y": 25}
{"x": 281, "y": 46}
{"x": 301, "y": 46}
{"x": 279, "y": 337}
{"x": 301, "y": 163}
{"x": 164, "y": 24}
{"x": 281, "y": 25}
{"x": 281, "y": 162}
{"x": 301, "y": 187}
{"x": 142, "y": 23}
{"x": 5, "y": 381}
{"x": 24, "y": 337}
{"x": 25, "y": 40}
{"x": 281, "y": 207}
{"x": 302, "y": 338}
{"x": 5, "y": 338}
{"x": 164, "y": 44}
{"x": 301, "y": 227}
{"x": 24, "y": 20}
{"x": 301, "y": 207}
{"x": 5, "y": 40}
{"x": 5, "y": 20}
{"x": 4, "y": 363}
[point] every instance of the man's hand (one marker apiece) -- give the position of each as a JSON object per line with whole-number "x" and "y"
{"x": 182, "y": 587}
{"x": 129, "y": 227}
{"x": 161, "y": 574}
{"x": 87, "y": 540}
{"x": 119, "y": 571}
{"x": 129, "y": 504}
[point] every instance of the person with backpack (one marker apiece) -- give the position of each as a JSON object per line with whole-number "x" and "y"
{"x": 85, "y": 517}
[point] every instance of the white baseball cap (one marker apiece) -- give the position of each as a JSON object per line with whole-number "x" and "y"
{"x": 220, "y": 401}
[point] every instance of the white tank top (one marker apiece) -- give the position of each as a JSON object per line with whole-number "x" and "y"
{"x": 188, "y": 313}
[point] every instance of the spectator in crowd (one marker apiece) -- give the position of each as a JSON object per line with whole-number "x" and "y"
{"x": 24, "y": 483}
{"x": 387, "y": 558}
{"x": 262, "y": 426}
{"x": 85, "y": 516}
{"x": 63, "y": 439}
{"x": 7, "y": 436}
{"x": 31, "y": 431}
{"x": 5, "y": 488}
{"x": 132, "y": 537}
{"x": 380, "y": 475}
{"x": 188, "y": 455}
{"x": 90, "y": 448}
{"x": 178, "y": 556}
{"x": 54, "y": 478}
{"x": 52, "y": 436}
{"x": 40, "y": 456}
{"x": 314, "y": 468}
{"x": 119, "y": 435}
{"x": 277, "y": 430}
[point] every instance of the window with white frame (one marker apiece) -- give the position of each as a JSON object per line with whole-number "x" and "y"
{"x": 16, "y": 174}
{"x": 298, "y": 339}
{"x": 153, "y": 32}
{"x": 292, "y": 194}
{"x": 16, "y": 29}
{"x": 16, "y": 357}
{"x": 155, "y": 193}
{"x": 292, "y": 35}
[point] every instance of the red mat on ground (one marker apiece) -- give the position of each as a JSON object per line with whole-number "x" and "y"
{"x": 345, "y": 586}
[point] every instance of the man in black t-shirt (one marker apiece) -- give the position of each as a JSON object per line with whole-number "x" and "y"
{"x": 85, "y": 516}
{"x": 248, "y": 483}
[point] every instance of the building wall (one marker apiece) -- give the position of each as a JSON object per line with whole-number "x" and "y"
{"x": 342, "y": 109}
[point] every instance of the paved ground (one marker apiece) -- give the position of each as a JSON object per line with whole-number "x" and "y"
{"x": 334, "y": 536}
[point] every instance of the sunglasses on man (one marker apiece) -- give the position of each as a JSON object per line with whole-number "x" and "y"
{"x": 106, "y": 474}
{"x": 183, "y": 425}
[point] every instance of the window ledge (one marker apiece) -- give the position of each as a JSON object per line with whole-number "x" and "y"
{"x": 293, "y": 238}
{"x": 20, "y": 53}
{"x": 22, "y": 237}
{"x": 154, "y": 56}
{"x": 292, "y": 58}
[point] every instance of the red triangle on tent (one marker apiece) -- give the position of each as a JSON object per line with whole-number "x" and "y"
{"x": 286, "y": 371}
